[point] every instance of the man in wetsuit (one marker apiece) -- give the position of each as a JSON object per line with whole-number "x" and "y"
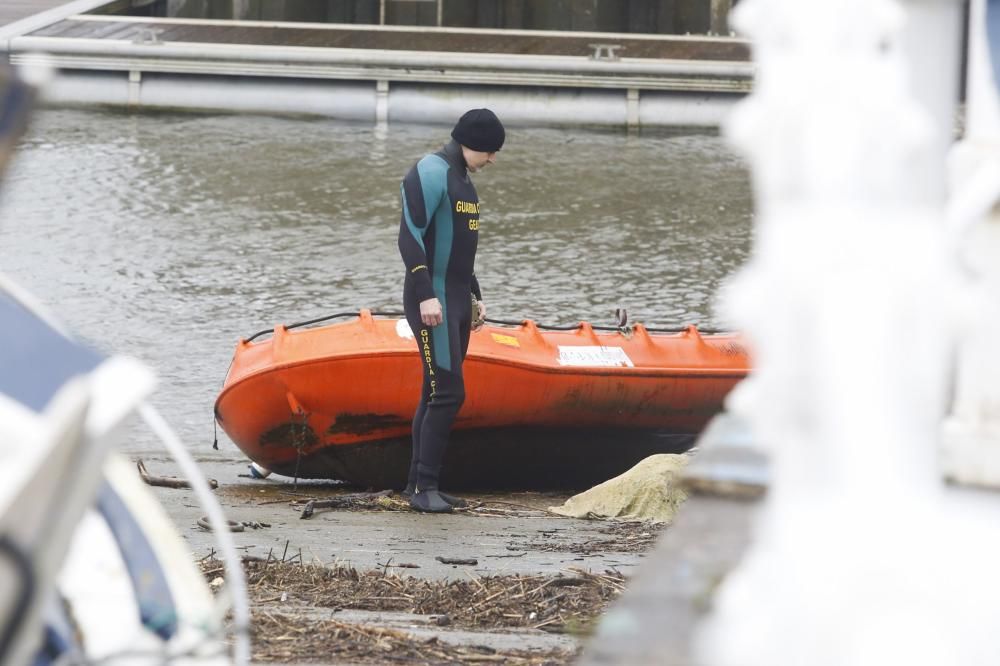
{"x": 438, "y": 234}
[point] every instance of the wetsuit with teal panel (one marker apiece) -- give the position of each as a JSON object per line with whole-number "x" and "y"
{"x": 438, "y": 235}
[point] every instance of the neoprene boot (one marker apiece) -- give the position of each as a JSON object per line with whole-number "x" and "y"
{"x": 430, "y": 501}
{"x": 428, "y": 498}
{"x": 456, "y": 502}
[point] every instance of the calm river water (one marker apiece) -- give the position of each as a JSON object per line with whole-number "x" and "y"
{"x": 168, "y": 237}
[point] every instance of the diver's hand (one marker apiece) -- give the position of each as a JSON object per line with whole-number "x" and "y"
{"x": 430, "y": 312}
{"x": 478, "y": 321}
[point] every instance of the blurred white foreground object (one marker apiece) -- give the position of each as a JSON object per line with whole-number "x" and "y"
{"x": 91, "y": 568}
{"x": 971, "y": 446}
{"x": 860, "y": 555}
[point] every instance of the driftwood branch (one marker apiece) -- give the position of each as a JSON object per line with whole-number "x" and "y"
{"x": 343, "y": 501}
{"x": 167, "y": 481}
{"x": 457, "y": 560}
{"x": 521, "y": 554}
{"x": 401, "y": 565}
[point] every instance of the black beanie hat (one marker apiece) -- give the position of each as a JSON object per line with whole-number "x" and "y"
{"x": 479, "y": 129}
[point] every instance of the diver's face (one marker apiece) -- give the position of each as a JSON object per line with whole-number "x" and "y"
{"x": 477, "y": 160}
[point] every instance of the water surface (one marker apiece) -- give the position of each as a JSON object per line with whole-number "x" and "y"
{"x": 168, "y": 237}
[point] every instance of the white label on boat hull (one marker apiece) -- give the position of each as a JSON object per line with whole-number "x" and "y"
{"x": 594, "y": 357}
{"x": 403, "y": 330}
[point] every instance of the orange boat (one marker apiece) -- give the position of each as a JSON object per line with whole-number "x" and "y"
{"x": 543, "y": 408}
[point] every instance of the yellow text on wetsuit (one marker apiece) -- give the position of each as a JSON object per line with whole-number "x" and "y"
{"x": 466, "y": 207}
{"x": 426, "y": 346}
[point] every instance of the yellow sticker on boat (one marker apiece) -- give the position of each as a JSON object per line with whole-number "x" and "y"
{"x": 508, "y": 340}
{"x": 594, "y": 357}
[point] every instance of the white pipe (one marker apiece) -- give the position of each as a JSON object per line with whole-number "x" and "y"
{"x": 235, "y": 582}
{"x": 374, "y": 57}
{"x": 418, "y": 102}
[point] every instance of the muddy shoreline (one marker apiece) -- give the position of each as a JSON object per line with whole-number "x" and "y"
{"x": 388, "y": 584}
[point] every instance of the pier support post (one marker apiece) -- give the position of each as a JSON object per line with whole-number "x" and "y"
{"x": 134, "y": 88}
{"x": 381, "y": 103}
{"x": 632, "y": 109}
{"x": 241, "y": 10}
{"x": 719, "y": 19}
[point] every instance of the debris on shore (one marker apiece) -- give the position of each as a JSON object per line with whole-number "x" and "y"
{"x": 387, "y": 500}
{"x": 565, "y": 603}
{"x": 624, "y": 537}
{"x": 282, "y": 638}
{"x": 354, "y": 501}
{"x": 553, "y": 602}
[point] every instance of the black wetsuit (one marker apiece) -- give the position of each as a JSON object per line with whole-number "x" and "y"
{"x": 438, "y": 235}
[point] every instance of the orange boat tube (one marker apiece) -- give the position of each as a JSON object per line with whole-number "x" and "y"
{"x": 543, "y": 409}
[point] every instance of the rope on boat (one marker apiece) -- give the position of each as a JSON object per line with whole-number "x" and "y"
{"x": 339, "y": 315}
{"x": 501, "y": 322}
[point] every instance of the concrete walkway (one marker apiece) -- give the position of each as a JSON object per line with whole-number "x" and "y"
{"x": 15, "y": 10}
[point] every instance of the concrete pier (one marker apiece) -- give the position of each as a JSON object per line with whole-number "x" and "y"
{"x": 382, "y": 73}
{"x": 15, "y": 10}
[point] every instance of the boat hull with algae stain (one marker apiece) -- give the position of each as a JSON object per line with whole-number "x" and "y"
{"x": 544, "y": 409}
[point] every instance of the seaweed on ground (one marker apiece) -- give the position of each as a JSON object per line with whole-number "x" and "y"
{"x": 285, "y": 638}
{"x": 562, "y": 603}
{"x": 540, "y": 602}
{"x": 386, "y": 500}
{"x": 626, "y": 537}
